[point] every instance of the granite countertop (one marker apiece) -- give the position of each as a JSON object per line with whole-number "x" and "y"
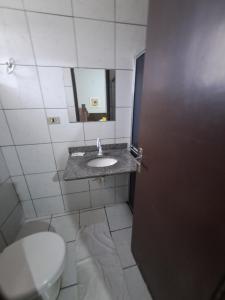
{"x": 77, "y": 167}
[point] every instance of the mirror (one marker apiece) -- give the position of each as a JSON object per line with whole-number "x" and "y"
{"x": 93, "y": 95}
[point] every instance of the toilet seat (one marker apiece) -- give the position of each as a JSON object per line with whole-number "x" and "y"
{"x": 30, "y": 265}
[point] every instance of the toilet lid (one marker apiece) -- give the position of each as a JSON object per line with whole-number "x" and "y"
{"x": 30, "y": 264}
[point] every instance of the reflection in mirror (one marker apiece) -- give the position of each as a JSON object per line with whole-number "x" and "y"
{"x": 94, "y": 95}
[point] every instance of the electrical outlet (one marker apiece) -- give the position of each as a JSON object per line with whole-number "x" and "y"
{"x": 53, "y": 120}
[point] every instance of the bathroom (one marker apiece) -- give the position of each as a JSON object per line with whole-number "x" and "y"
{"x": 110, "y": 114}
{"x": 45, "y": 41}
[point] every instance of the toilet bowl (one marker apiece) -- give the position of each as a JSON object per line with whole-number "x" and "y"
{"x": 31, "y": 268}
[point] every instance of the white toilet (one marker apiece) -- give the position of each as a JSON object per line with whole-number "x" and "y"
{"x": 31, "y": 268}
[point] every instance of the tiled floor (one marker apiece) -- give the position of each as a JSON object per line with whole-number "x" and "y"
{"x": 118, "y": 219}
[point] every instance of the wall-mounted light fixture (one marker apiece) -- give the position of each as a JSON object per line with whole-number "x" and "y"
{"x": 10, "y": 65}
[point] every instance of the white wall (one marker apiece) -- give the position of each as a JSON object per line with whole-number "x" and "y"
{"x": 46, "y": 38}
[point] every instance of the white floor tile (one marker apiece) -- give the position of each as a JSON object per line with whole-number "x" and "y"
{"x": 136, "y": 285}
{"x": 66, "y": 226}
{"x": 119, "y": 216}
{"x": 122, "y": 240}
{"x": 93, "y": 217}
{"x": 70, "y": 275}
{"x": 70, "y": 293}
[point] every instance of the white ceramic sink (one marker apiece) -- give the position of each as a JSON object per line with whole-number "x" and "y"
{"x": 102, "y": 162}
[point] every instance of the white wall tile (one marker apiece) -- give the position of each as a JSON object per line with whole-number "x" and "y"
{"x": 94, "y": 9}
{"x": 124, "y": 140}
{"x": 103, "y": 142}
{"x": 43, "y": 185}
{"x": 102, "y": 182}
{"x": 73, "y": 186}
{"x": 136, "y": 286}
{"x": 132, "y": 11}
{"x": 124, "y": 88}
{"x": 21, "y": 187}
{"x": 95, "y": 40}
{"x": 4, "y": 172}
{"x": 67, "y": 77}
{"x": 28, "y": 209}
{"x": 12, "y": 160}
{"x": 67, "y": 226}
{"x": 21, "y": 89}
{"x": 2, "y": 243}
{"x": 61, "y": 152}
{"x": 103, "y": 130}
{"x": 130, "y": 41}
{"x": 15, "y": 41}
{"x": 52, "y": 83}
{"x": 5, "y": 137}
{"x": 53, "y": 39}
{"x": 49, "y": 6}
{"x": 12, "y": 226}
{"x": 77, "y": 201}
{"x": 123, "y": 122}
{"x": 8, "y": 200}
{"x": 102, "y": 197}
{"x": 48, "y": 206}
{"x": 71, "y": 115}
{"x": 122, "y": 194}
{"x": 65, "y": 131}
{"x": 69, "y": 96}
{"x": 12, "y": 3}
{"x": 28, "y": 126}
{"x": 36, "y": 158}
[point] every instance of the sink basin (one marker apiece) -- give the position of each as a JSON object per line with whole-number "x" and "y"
{"x": 102, "y": 162}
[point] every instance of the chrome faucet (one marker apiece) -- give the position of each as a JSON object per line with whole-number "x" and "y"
{"x": 99, "y": 147}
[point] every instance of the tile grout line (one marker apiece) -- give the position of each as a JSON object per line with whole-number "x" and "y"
{"x": 69, "y": 286}
{"x": 107, "y": 220}
{"x": 3, "y": 237}
{"x": 66, "y": 67}
{"x": 10, "y": 214}
{"x": 3, "y": 182}
{"x": 128, "y": 227}
{"x": 56, "y": 142}
{"x": 75, "y": 34}
{"x": 129, "y": 267}
{"x": 42, "y": 96}
{"x": 73, "y": 16}
{"x": 15, "y": 148}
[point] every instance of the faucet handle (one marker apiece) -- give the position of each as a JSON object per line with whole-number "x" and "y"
{"x": 98, "y": 142}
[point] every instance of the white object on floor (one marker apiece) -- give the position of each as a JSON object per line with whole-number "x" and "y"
{"x": 100, "y": 275}
{"x": 32, "y": 267}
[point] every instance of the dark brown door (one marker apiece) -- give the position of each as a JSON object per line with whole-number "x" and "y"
{"x": 179, "y": 210}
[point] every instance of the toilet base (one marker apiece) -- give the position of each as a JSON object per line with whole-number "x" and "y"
{"x": 51, "y": 292}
